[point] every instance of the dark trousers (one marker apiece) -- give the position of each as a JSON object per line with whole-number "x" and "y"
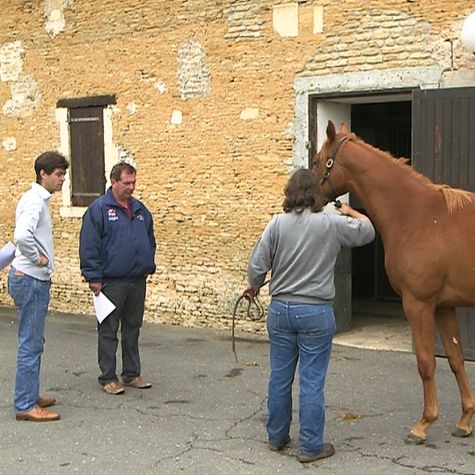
{"x": 129, "y": 298}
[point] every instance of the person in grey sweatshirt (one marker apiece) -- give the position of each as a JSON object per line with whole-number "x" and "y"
{"x": 29, "y": 283}
{"x": 300, "y": 247}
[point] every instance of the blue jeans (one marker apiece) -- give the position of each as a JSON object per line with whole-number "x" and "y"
{"x": 31, "y": 298}
{"x": 302, "y": 332}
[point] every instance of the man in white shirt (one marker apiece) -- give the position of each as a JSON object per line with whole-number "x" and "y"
{"x": 29, "y": 283}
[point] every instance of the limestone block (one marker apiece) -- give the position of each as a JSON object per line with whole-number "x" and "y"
{"x": 285, "y": 19}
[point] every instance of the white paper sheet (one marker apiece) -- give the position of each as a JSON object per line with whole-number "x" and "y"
{"x": 103, "y": 306}
{"x": 7, "y": 253}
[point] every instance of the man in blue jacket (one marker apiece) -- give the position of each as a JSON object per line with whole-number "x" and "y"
{"x": 117, "y": 253}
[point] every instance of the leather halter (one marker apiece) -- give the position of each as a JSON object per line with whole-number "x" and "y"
{"x": 331, "y": 161}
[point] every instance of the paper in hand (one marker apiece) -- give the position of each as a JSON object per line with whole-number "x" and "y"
{"x": 103, "y": 306}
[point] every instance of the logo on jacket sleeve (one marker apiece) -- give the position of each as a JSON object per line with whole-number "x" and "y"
{"x": 112, "y": 214}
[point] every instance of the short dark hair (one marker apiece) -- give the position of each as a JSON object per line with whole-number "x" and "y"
{"x": 302, "y": 191}
{"x": 49, "y": 162}
{"x": 118, "y": 168}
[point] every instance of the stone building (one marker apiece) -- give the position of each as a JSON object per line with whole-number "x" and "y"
{"x": 215, "y": 102}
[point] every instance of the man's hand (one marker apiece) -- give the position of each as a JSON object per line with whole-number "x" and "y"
{"x": 250, "y": 293}
{"x": 347, "y": 210}
{"x": 96, "y": 287}
{"x": 43, "y": 260}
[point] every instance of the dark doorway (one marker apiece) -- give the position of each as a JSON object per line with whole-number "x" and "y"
{"x": 431, "y": 128}
{"x": 387, "y": 126}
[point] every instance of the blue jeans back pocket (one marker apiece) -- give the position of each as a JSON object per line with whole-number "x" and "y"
{"x": 316, "y": 319}
{"x": 275, "y": 313}
{"x": 17, "y": 287}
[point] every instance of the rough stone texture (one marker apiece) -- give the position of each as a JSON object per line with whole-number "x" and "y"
{"x": 24, "y": 94}
{"x": 25, "y": 97}
{"x": 244, "y": 20}
{"x": 212, "y": 177}
{"x": 193, "y": 75}
{"x": 11, "y": 61}
{"x": 126, "y": 156}
{"x": 54, "y": 13}
{"x": 9, "y": 144}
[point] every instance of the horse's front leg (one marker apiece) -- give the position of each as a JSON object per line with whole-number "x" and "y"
{"x": 422, "y": 322}
{"x": 448, "y": 327}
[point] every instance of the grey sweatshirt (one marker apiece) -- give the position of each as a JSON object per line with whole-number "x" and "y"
{"x": 301, "y": 250}
{"x": 33, "y": 233}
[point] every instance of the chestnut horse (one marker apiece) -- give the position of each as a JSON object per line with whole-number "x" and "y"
{"x": 428, "y": 236}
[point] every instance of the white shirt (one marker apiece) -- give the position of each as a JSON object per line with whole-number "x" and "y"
{"x": 34, "y": 233}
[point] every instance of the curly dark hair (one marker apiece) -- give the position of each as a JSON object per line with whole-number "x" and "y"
{"x": 302, "y": 191}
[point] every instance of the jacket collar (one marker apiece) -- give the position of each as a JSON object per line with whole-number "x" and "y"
{"x": 111, "y": 201}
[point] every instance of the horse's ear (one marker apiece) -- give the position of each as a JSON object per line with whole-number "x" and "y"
{"x": 344, "y": 128}
{"x": 331, "y": 132}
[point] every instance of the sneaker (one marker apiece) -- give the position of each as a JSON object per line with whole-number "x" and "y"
{"x": 327, "y": 451}
{"x": 278, "y": 448}
{"x": 138, "y": 383}
{"x": 113, "y": 387}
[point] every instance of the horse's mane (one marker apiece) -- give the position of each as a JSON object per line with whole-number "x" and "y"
{"x": 455, "y": 198}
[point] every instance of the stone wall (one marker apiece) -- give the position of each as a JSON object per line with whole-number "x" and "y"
{"x": 206, "y": 108}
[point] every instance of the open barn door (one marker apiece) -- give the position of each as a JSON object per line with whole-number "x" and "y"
{"x": 443, "y": 149}
{"x": 319, "y": 114}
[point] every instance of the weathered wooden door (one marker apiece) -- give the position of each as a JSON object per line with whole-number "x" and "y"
{"x": 87, "y": 154}
{"x": 443, "y": 149}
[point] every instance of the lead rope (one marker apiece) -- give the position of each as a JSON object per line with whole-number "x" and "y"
{"x": 252, "y": 316}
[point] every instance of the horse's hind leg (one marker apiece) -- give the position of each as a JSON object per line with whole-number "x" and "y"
{"x": 422, "y": 322}
{"x": 448, "y": 327}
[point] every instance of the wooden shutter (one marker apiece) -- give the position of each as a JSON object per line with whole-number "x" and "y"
{"x": 443, "y": 144}
{"x": 86, "y": 130}
{"x": 443, "y": 136}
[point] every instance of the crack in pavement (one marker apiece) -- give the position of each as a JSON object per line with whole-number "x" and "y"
{"x": 400, "y": 460}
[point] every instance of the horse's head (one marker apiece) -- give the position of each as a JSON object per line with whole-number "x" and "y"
{"x": 331, "y": 176}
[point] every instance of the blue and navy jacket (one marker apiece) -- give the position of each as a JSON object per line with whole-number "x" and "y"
{"x": 112, "y": 246}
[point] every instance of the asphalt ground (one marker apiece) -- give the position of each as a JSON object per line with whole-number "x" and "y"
{"x": 205, "y": 413}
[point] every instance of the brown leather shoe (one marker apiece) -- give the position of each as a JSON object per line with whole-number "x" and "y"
{"x": 279, "y": 447}
{"x": 37, "y": 414}
{"x": 46, "y": 401}
{"x": 327, "y": 451}
{"x": 113, "y": 388}
{"x": 138, "y": 383}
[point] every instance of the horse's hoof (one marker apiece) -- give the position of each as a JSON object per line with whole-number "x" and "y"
{"x": 414, "y": 439}
{"x": 458, "y": 432}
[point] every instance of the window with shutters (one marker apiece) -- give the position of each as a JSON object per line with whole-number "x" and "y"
{"x": 86, "y": 132}
{"x": 85, "y": 127}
